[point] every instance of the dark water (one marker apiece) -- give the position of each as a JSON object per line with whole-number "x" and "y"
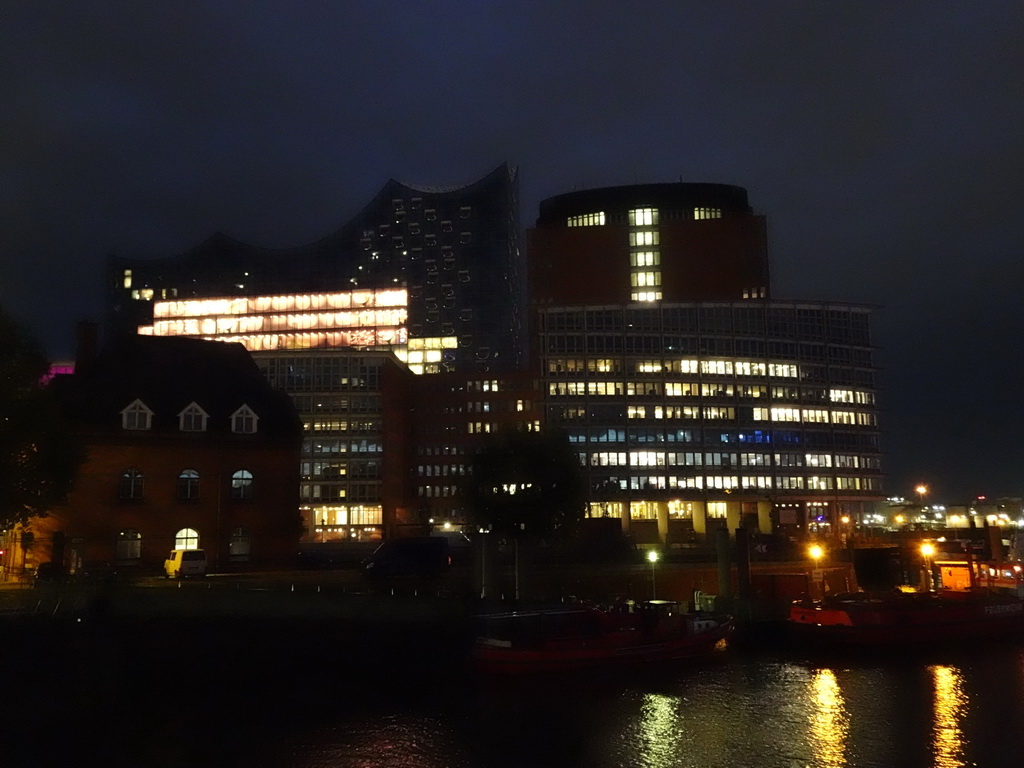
{"x": 966, "y": 709}
{"x": 153, "y": 701}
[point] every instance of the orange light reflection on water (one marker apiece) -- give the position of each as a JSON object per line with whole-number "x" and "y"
{"x": 829, "y": 721}
{"x": 950, "y": 708}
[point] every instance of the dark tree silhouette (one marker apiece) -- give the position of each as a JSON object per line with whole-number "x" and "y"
{"x": 525, "y": 484}
{"x": 38, "y": 455}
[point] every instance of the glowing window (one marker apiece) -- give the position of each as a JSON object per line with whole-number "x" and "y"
{"x": 643, "y": 237}
{"x": 643, "y": 217}
{"x": 707, "y": 213}
{"x": 587, "y": 220}
{"x": 645, "y": 259}
{"x": 186, "y": 538}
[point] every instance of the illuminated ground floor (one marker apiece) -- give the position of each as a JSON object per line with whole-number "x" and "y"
{"x": 678, "y": 520}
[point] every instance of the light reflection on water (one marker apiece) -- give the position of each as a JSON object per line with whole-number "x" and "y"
{"x": 828, "y": 727}
{"x": 770, "y": 712}
{"x": 950, "y": 708}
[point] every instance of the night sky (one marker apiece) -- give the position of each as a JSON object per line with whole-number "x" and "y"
{"x": 882, "y": 141}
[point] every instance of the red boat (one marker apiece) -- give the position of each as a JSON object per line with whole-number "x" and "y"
{"x": 589, "y": 636}
{"x": 907, "y": 618}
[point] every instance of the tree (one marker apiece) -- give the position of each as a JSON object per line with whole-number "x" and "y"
{"x": 38, "y": 455}
{"x": 525, "y": 484}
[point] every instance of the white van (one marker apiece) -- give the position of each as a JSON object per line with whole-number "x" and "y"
{"x": 182, "y": 563}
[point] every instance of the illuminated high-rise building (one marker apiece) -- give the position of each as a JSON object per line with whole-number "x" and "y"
{"x": 694, "y": 399}
{"x": 454, "y": 251}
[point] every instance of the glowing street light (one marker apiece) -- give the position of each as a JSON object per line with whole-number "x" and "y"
{"x": 928, "y": 552}
{"x": 921, "y": 490}
{"x": 652, "y": 556}
{"x": 817, "y": 553}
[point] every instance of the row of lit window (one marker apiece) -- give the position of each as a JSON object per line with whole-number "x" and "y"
{"x": 277, "y": 323}
{"x": 720, "y": 458}
{"x": 587, "y": 220}
{"x": 739, "y": 482}
{"x": 304, "y": 302}
{"x": 644, "y": 279}
{"x": 656, "y": 389}
{"x": 641, "y": 259}
{"x": 277, "y": 342}
{"x": 816, "y": 416}
{"x": 715, "y": 367}
{"x": 681, "y": 412}
{"x": 645, "y": 296}
{"x": 644, "y": 237}
{"x": 354, "y": 514}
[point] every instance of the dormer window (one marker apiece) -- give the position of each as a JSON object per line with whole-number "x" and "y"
{"x": 136, "y": 416}
{"x": 243, "y": 421}
{"x": 192, "y": 419}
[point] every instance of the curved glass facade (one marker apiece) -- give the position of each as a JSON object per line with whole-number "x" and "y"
{"x": 703, "y": 410}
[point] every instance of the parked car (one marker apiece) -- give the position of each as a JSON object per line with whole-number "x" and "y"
{"x": 50, "y": 573}
{"x": 185, "y": 563}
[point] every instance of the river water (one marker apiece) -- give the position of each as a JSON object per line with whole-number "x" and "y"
{"x": 768, "y": 709}
{"x": 116, "y": 697}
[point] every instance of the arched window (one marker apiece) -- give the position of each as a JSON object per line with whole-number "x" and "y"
{"x": 132, "y": 483}
{"x": 186, "y": 538}
{"x": 240, "y": 545}
{"x": 129, "y": 547}
{"x": 188, "y": 485}
{"x": 241, "y": 484}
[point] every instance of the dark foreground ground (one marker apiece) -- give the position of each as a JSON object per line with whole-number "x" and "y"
{"x": 204, "y": 674}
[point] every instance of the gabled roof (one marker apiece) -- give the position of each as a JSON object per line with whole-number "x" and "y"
{"x": 167, "y": 374}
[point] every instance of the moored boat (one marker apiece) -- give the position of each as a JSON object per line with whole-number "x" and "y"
{"x": 590, "y": 636}
{"x": 896, "y": 618}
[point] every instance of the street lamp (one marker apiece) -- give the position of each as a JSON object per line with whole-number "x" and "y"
{"x": 921, "y": 490}
{"x": 928, "y": 552}
{"x": 816, "y": 553}
{"x": 652, "y": 556}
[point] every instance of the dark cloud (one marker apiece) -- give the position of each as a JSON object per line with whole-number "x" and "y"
{"x": 881, "y": 140}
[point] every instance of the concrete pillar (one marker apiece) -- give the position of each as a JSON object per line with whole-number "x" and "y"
{"x": 700, "y": 517}
{"x": 764, "y": 517}
{"x": 662, "y": 521}
{"x": 733, "y": 515}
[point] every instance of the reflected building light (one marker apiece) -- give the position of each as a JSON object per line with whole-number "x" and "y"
{"x": 950, "y": 710}
{"x": 659, "y": 730}
{"x": 829, "y": 720}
